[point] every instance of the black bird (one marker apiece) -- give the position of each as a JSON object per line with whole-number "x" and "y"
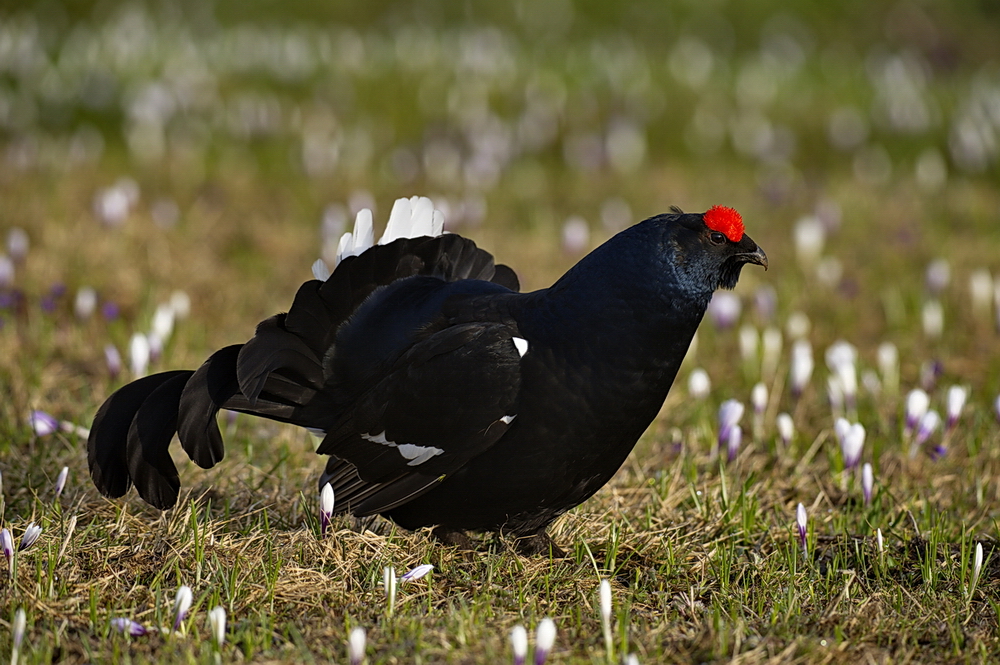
{"x": 445, "y": 397}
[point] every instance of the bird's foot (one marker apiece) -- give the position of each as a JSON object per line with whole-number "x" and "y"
{"x": 452, "y": 538}
{"x": 538, "y": 544}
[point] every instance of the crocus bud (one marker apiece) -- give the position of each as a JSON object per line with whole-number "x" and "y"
{"x": 841, "y": 359}
{"x": 217, "y": 621}
{"x": 128, "y": 627}
{"x": 765, "y": 301}
{"x": 61, "y": 480}
{"x": 734, "y": 442}
{"x": 7, "y": 545}
{"x": 996, "y": 407}
{"x": 928, "y": 424}
{"x": 888, "y": 366}
{"x": 416, "y": 573}
{"x": 139, "y": 354}
{"x": 786, "y": 428}
{"x": 545, "y": 638}
{"x": 730, "y": 413}
{"x": 325, "y": 508}
{"x": 85, "y": 302}
{"x": 977, "y": 568}
{"x": 519, "y": 644}
{"x": 841, "y": 426}
{"x": 932, "y": 317}
{"x": 917, "y": 403}
{"x": 802, "y": 366}
{"x": 930, "y": 371}
{"x": 798, "y": 325}
{"x": 749, "y": 345}
{"x": 802, "y": 521}
{"x": 43, "y": 423}
{"x": 17, "y": 628}
{"x": 809, "y": 237}
{"x": 113, "y": 360}
{"x": 18, "y": 244}
{"x": 854, "y": 442}
{"x": 163, "y": 322}
{"x": 182, "y": 603}
{"x": 699, "y": 385}
{"x": 356, "y": 646}
{"x": 771, "y": 342}
{"x": 981, "y": 291}
{"x": 575, "y": 235}
{"x": 938, "y": 275}
{"x": 956, "y": 402}
{"x": 29, "y": 536}
{"x": 724, "y": 309}
{"x": 879, "y": 543}
{"x": 867, "y": 482}
{"x": 835, "y": 394}
{"x": 604, "y": 598}
{"x": 758, "y": 398}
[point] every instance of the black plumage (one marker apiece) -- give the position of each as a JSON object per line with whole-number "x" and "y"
{"x": 444, "y": 396}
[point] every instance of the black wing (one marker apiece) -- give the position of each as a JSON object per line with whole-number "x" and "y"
{"x": 445, "y": 400}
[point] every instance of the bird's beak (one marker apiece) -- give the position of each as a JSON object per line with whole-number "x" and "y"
{"x": 757, "y": 256}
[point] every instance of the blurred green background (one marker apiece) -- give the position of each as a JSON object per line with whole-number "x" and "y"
{"x": 147, "y": 147}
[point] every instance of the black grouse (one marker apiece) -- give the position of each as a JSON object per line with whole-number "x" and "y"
{"x": 445, "y": 397}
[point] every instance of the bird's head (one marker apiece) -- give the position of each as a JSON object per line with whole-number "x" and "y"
{"x": 710, "y": 249}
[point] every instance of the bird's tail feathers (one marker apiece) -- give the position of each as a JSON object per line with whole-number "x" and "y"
{"x": 284, "y": 372}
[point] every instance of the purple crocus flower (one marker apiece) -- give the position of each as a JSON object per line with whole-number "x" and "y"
{"x": 29, "y": 536}
{"x": 128, "y": 627}
{"x": 802, "y": 367}
{"x": 61, "y": 481}
{"x": 217, "y": 621}
{"x": 996, "y": 407}
{"x": 699, "y": 385}
{"x": 802, "y": 521}
{"x": 18, "y": 244}
{"x": 867, "y": 482}
{"x": 519, "y": 644}
{"x": 17, "y": 629}
{"x": 928, "y": 424}
{"x": 734, "y": 442}
{"x": 758, "y": 398}
{"x": 765, "y": 301}
{"x": 182, "y": 604}
{"x": 852, "y": 445}
{"x": 956, "y": 402}
{"x": 417, "y": 573}
{"x": 85, "y": 302}
{"x": 917, "y": 403}
{"x": 730, "y": 413}
{"x": 43, "y": 423}
{"x": 545, "y": 638}
{"x": 356, "y": 646}
{"x": 7, "y": 544}
{"x": 113, "y": 359}
{"x": 724, "y": 309}
{"x": 786, "y": 428}
{"x": 110, "y": 311}
{"x": 929, "y": 373}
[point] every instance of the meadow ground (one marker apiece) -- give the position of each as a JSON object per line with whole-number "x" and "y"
{"x": 150, "y": 150}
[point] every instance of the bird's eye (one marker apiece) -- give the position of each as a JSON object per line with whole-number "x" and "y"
{"x": 717, "y": 238}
